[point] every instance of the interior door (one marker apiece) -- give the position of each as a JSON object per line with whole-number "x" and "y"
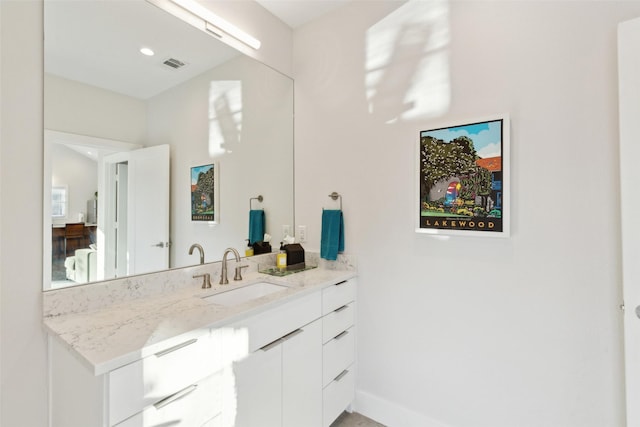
{"x": 135, "y": 231}
{"x": 148, "y": 234}
{"x": 629, "y": 110}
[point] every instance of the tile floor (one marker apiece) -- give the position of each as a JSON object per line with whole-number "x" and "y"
{"x": 354, "y": 420}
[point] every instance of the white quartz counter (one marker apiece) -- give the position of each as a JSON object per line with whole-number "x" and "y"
{"x": 108, "y": 337}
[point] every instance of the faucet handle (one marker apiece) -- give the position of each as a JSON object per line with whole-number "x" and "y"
{"x": 238, "y": 275}
{"x": 206, "y": 280}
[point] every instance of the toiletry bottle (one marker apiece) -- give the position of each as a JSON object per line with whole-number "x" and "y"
{"x": 249, "y": 251}
{"x": 281, "y": 258}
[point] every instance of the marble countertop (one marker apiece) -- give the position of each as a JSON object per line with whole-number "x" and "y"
{"x": 108, "y": 337}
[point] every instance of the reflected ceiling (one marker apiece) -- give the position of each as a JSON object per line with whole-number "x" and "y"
{"x": 108, "y": 55}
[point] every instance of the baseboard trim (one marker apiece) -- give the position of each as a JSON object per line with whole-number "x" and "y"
{"x": 391, "y": 414}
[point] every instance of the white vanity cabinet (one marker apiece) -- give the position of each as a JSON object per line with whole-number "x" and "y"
{"x": 280, "y": 383}
{"x": 290, "y": 365}
{"x": 148, "y": 392}
{"x": 338, "y": 349}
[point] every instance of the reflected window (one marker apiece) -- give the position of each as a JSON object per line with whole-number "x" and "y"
{"x": 59, "y": 201}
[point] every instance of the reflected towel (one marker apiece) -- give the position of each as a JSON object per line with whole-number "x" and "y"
{"x": 332, "y": 237}
{"x": 256, "y": 226}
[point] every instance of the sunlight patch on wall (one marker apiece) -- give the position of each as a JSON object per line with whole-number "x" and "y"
{"x": 407, "y": 63}
{"x": 225, "y": 116}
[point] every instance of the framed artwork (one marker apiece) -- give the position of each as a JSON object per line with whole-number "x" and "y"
{"x": 205, "y": 193}
{"x": 463, "y": 179}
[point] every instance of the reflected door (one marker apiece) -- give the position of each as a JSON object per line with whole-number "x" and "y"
{"x": 135, "y": 231}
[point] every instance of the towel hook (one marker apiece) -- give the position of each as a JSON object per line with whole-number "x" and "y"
{"x": 335, "y": 196}
{"x": 259, "y": 198}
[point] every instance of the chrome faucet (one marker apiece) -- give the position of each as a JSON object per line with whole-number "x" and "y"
{"x": 197, "y": 246}
{"x": 223, "y": 275}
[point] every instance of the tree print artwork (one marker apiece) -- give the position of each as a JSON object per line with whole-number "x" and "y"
{"x": 462, "y": 172}
{"x": 203, "y": 193}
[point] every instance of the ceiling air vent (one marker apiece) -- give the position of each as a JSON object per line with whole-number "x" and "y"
{"x": 174, "y": 63}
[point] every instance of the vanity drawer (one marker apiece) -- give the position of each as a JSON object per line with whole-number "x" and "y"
{"x": 337, "y": 354}
{"x": 338, "y": 295}
{"x": 270, "y": 325}
{"x": 194, "y": 405}
{"x": 340, "y": 319}
{"x": 337, "y": 396}
{"x": 144, "y": 383}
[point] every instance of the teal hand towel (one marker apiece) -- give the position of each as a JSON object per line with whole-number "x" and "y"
{"x": 256, "y": 225}
{"x": 332, "y": 236}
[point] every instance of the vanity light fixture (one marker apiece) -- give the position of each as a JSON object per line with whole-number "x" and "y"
{"x": 146, "y": 51}
{"x": 216, "y": 25}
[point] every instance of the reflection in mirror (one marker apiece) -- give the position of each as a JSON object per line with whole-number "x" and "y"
{"x": 102, "y": 95}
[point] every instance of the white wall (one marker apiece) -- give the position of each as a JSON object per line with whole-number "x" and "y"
{"x": 474, "y": 331}
{"x": 23, "y": 382}
{"x": 78, "y": 108}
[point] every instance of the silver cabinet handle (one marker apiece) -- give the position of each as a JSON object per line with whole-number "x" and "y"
{"x": 176, "y": 347}
{"x": 292, "y": 334}
{"x": 342, "y": 374}
{"x": 179, "y": 395}
{"x": 281, "y": 340}
{"x": 341, "y": 335}
{"x": 271, "y": 345}
{"x": 638, "y": 311}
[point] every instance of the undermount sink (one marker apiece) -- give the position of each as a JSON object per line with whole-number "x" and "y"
{"x": 246, "y": 293}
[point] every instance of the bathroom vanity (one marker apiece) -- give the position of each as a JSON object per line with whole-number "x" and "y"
{"x": 265, "y": 351}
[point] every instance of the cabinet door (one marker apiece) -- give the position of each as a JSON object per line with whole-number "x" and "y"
{"x": 258, "y": 386}
{"x": 302, "y": 377}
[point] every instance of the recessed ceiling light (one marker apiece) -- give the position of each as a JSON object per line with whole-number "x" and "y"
{"x": 147, "y": 51}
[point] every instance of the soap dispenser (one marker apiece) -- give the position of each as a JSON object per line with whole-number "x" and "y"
{"x": 249, "y": 251}
{"x": 281, "y": 258}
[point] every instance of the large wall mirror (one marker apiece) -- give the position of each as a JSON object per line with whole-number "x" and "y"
{"x": 124, "y": 132}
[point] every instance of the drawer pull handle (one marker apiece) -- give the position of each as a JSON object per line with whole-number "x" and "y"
{"x": 281, "y": 340}
{"x": 179, "y": 395}
{"x": 271, "y": 345}
{"x": 342, "y": 374}
{"x": 340, "y": 283}
{"x": 341, "y": 335}
{"x": 338, "y": 310}
{"x": 292, "y": 334}
{"x": 176, "y": 347}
